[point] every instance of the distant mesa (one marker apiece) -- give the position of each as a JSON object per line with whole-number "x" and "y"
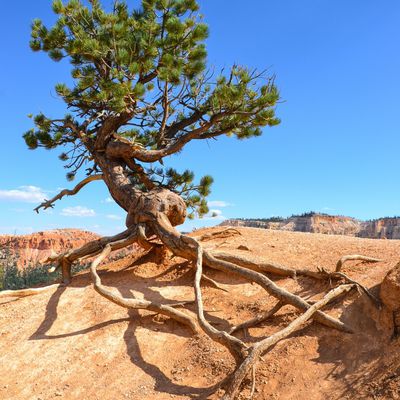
{"x": 313, "y": 222}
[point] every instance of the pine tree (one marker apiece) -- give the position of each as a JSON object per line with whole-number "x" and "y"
{"x": 141, "y": 92}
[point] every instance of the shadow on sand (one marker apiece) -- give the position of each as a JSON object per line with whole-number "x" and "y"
{"x": 163, "y": 383}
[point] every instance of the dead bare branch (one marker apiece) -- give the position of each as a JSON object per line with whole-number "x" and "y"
{"x": 67, "y": 192}
{"x": 353, "y": 257}
{"x": 27, "y": 292}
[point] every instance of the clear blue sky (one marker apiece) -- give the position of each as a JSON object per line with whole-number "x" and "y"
{"x": 338, "y": 69}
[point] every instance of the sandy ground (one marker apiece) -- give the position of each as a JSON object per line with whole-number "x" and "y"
{"x": 71, "y": 343}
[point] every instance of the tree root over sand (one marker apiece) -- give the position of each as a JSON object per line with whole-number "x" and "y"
{"x": 27, "y": 292}
{"x": 245, "y": 355}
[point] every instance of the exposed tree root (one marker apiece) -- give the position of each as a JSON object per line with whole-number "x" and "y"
{"x": 362, "y": 288}
{"x": 321, "y": 274}
{"x": 27, "y": 292}
{"x": 245, "y": 262}
{"x": 279, "y": 293}
{"x": 213, "y": 283}
{"x": 136, "y": 303}
{"x": 257, "y": 320}
{"x": 236, "y": 346}
{"x": 91, "y": 249}
{"x": 353, "y": 257}
{"x": 253, "y": 381}
{"x": 281, "y": 270}
{"x": 141, "y": 237}
{"x": 259, "y": 348}
{"x": 189, "y": 248}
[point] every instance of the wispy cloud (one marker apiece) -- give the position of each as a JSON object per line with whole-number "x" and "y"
{"x": 25, "y": 194}
{"x": 107, "y": 200}
{"x": 219, "y": 203}
{"x": 18, "y": 210}
{"x": 77, "y": 211}
{"x": 107, "y": 231}
{"x": 114, "y": 217}
{"x": 16, "y": 230}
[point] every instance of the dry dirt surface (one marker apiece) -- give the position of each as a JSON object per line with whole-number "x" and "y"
{"x": 72, "y": 343}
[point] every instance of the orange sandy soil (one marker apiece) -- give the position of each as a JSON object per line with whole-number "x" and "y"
{"x": 71, "y": 343}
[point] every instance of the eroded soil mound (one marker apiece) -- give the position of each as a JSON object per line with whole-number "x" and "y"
{"x": 71, "y": 343}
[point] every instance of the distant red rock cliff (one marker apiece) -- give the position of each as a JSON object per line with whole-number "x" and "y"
{"x": 30, "y": 249}
{"x": 382, "y": 228}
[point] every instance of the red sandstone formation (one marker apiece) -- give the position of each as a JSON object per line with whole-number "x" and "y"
{"x": 31, "y": 249}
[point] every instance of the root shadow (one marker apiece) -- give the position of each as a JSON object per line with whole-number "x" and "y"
{"x": 50, "y": 315}
{"x": 354, "y": 357}
{"x": 163, "y": 383}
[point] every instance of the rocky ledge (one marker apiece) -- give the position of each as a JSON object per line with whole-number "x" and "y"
{"x": 382, "y": 228}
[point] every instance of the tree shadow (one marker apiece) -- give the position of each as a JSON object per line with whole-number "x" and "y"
{"x": 118, "y": 280}
{"x": 163, "y": 383}
{"x": 355, "y": 357}
{"x": 50, "y": 317}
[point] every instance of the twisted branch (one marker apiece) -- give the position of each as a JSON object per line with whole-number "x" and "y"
{"x": 352, "y": 257}
{"x": 68, "y": 192}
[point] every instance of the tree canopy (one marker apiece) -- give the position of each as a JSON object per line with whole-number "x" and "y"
{"x": 142, "y": 90}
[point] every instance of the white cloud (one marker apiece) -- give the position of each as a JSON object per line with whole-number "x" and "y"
{"x": 25, "y": 194}
{"x": 108, "y": 200}
{"x": 214, "y": 214}
{"x": 219, "y": 203}
{"x": 78, "y": 211}
{"x": 113, "y": 216}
